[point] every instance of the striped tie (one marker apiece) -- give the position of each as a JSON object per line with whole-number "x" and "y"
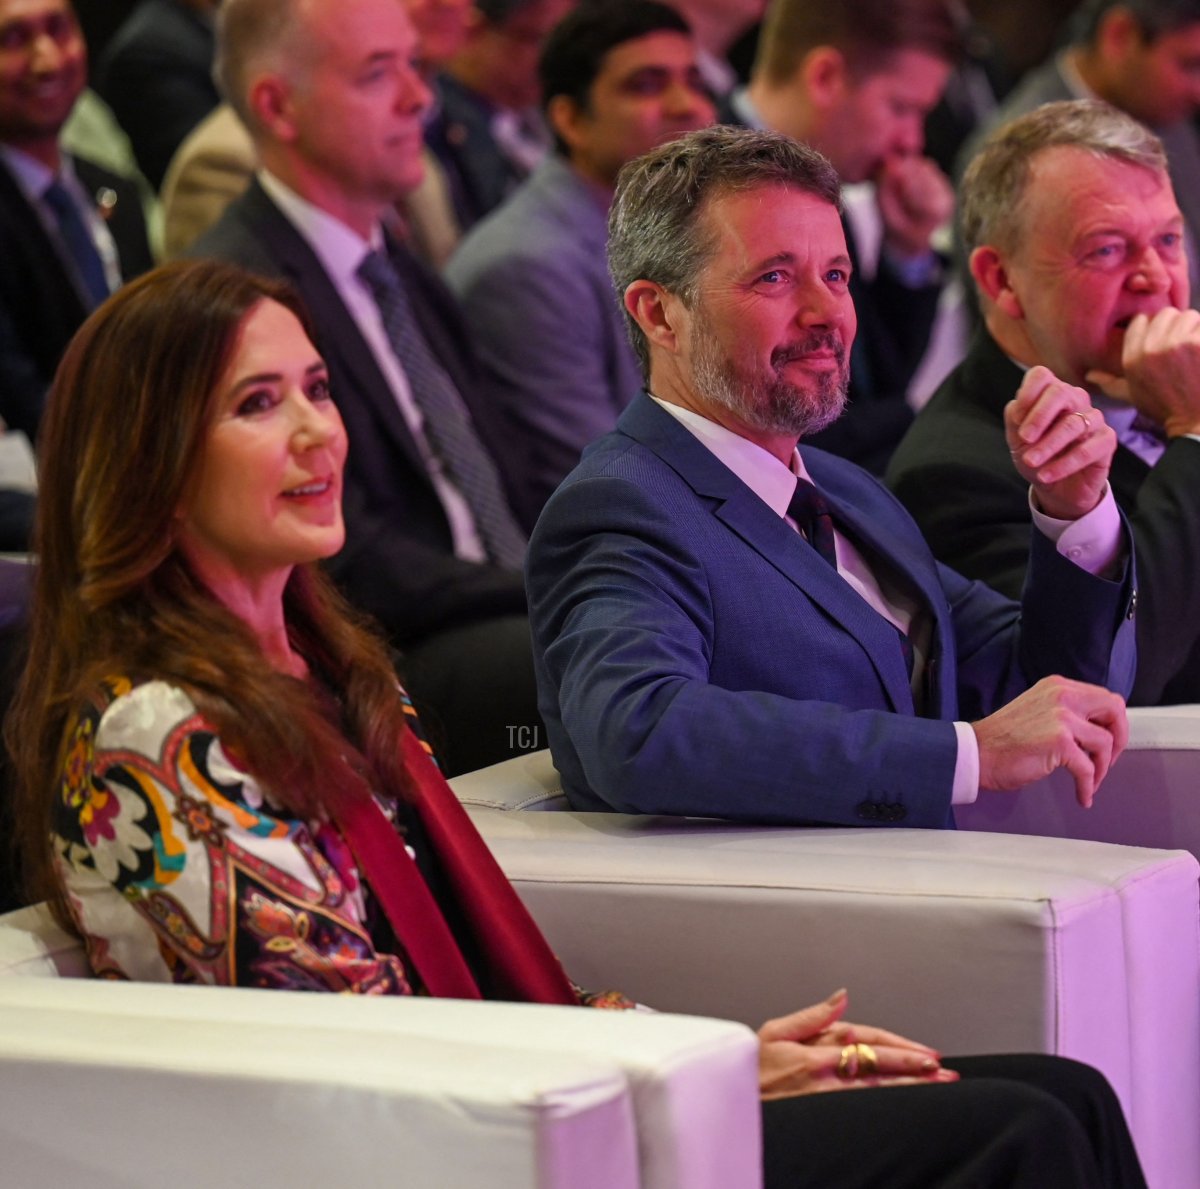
{"x": 447, "y": 423}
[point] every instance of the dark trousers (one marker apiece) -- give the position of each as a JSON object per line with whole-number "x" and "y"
{"x": 1016, "y": 1120}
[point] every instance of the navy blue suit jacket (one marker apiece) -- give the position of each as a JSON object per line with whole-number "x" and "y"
{"x": 696, "y": 656}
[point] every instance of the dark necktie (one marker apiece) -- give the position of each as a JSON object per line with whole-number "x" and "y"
{"x": 810, "y": 511}
{"x": 78, "y": 241}
{"x": 447, "y": 422}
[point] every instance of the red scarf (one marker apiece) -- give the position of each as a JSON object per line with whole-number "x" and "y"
{"x": 520, "y": 964}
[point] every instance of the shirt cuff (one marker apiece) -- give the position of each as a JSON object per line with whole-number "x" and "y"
{"x": 1094, "y": 542}
{"x": 966, "y": 766}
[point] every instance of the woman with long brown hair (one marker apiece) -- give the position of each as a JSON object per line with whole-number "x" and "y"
{"x": 182, "y": 645}
{"x": 221, "y": 782}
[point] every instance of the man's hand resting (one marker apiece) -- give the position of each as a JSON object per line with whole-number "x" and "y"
{"x": 1058, "y": 723}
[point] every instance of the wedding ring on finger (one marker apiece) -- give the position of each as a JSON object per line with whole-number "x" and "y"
{"x": 1087, "y": 421}
{"x": 855, "y": 1060}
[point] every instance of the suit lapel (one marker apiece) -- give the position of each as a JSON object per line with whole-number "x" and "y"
{"x": 902, "y": 553}
{"x": 119, "y": 205}
{"x": 743, "y": 513}
{"x": 910, "y": 565}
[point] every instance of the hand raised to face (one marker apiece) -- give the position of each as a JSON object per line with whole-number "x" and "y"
{"x": 1160, "y": 361}
{"x": 915, "y": 199}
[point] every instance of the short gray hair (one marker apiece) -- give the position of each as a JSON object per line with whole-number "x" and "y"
{"x": 655, "y": 229}
{"x": 992, "y": 193}
{"x": 251, "y": 33}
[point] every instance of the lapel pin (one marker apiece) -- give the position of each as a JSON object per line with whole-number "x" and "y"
{"x": 106, "y": 202}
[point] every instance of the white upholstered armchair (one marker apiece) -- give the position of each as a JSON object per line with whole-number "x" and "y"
{"x": 120, "y": 1084}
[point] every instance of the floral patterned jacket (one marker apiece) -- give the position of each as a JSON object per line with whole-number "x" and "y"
{"x": 178, "y": 868}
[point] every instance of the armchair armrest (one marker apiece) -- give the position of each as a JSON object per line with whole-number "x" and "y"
{"x": 307, "y": 1087}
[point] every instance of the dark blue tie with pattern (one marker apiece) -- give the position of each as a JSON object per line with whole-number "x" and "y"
{"x": 810, "y": 511}
{"x": 79, "y": 244}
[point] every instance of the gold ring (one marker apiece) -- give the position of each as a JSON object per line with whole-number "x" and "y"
{"x": 857, "y": 1060}
{"x": 1087, "y": 421}
{"x": 868, "y": 1061}
{"x": 847, "y": 1066}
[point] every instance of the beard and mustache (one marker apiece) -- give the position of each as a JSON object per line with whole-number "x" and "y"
{"x": 764, "y": 400}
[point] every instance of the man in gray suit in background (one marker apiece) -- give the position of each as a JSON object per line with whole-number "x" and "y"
{"x": 618, "y": 79}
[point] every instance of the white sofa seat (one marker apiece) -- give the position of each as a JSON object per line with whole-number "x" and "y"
{"x": 304, "y": 1088}
{"x": 972, "y": 942}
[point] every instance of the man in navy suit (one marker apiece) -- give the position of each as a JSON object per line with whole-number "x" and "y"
{"x": 726, "y": 625}
{"x": 70, "y": 232}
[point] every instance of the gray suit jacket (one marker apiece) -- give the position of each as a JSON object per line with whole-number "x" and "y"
{"x": 546, "y": 324}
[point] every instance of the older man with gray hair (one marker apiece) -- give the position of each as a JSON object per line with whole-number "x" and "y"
{"x": 728, "y": 626}
{"x": 1076, "y": 249}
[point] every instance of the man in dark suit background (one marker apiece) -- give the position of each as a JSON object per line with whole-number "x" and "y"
{"x": 70, "y": 232}
{"x": 855, "y": 80}
{"x": 330, "y": 94}
{"x": 697, "y": 654}
{"x": 1077, "y": 252}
